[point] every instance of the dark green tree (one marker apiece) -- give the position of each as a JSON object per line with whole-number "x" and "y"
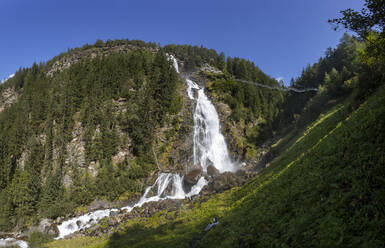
{"x": 52, "y": 194}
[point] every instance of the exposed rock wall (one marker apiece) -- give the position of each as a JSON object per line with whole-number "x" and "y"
{"x": 7, "y": 97}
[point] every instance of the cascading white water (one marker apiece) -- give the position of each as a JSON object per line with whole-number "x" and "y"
{"x": 81, "y": 222}
{"x": 160, "y": 186}
{"x": 209, "y": 143}
{"x": 13, "y": 242}
{"x": 190, "y": 86}
{"x": 174, "y": 62}
{"x": 209, "y": 147}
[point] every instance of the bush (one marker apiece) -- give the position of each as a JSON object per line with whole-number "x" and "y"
{"x": 38, "y": 239}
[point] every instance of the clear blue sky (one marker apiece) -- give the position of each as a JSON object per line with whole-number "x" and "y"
{"x": 280, "y": 36}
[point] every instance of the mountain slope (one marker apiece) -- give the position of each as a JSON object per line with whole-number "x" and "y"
{"x": 80, "y": 133}
{"x": 325, "y": 190}
{"x": 95, "y": 124}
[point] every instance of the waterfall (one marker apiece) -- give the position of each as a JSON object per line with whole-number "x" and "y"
{"x": 174, "y": 62}
{"x": 209, "y": 148}
{"x": 209, "y": 144}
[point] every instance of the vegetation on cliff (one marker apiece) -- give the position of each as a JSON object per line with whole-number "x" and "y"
{"x": 95, "y": 122}
{"x": 105, "y": 103}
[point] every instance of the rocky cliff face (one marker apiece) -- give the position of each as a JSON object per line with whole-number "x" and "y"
{"x": 8, "y": 96}
{"x": 172, "y": 146}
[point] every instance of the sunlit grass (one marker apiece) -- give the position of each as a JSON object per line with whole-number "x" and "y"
{"x": 90, "y": 242}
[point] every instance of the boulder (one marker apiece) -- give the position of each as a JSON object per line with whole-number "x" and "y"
{"x": 50, "y": 227}
{"x": 212, "y": 171}
{"x": 114, "y": 213}
{"x": 22, "y": 235}
{"x": 224, "y": 182}
{"x": 4, "y": 235}
{"x": 45, "y": 226}
{"x": 241, "y": 173}
{"x": 79, "y": 223}
{"x": 99, "y": 204}
{"x": 53, "y": 230}
{"x": 191, "y": 178}
{"x": 128, "y": 202}
{"x": 59, "y": 220}
{"x": 112, "y": 221}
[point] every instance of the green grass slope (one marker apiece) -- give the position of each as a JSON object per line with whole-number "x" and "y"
{"x": 326, "y": 189}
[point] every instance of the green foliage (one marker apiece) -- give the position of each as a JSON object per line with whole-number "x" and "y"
{"x": 24, "y": 190}
{"x": 194, "y": 56}
{"x": 253, "y": 106}
{"x": 38, "y": 239}
{"x": 82, "y": 188}
{"x": 368, "y": 19}
{"x": 52, "y": 195}
{"x": 6, "y": 210}
{"x": 105, "y": 181}
{"x": 22, "y": 196}
{"x": 335, "y": 75}
{"x": 247, "y": 70}
{"x": 369, "y": 24}
{"x": 93, "y": 242}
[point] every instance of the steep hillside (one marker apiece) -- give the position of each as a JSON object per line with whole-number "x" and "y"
{"x": 91, "y": 128}
{"x": 325, "y": 189}
{"x": 88, "y": 131}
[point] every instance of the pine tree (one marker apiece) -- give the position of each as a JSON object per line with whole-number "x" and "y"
{"x": 52, "y": 193}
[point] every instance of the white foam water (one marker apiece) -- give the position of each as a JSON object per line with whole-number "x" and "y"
{"x": 174, "y": 62}
{"x": 164, "y": 181}
{"x": 159, "y": 188}
{"x": 209, "y": 144}
{"x": 82, "y": 222}
{"x": 13, "y": 242}
{"x": 209, "y": 148}
{"x": 190, "y": 86}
